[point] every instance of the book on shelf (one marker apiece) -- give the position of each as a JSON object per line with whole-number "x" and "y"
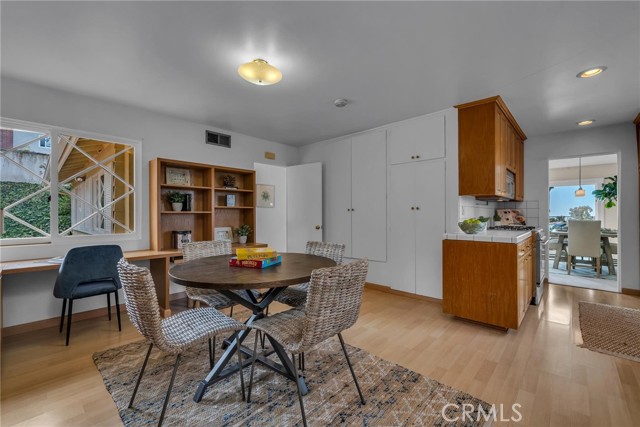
{"x": 255, "y": 253}
{"x": 255, "y": 263}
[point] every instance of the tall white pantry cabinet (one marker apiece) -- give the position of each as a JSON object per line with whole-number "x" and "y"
{"x": 355, "y": 191}
{"x": 384, "y": 197}
{"x": 416, "y": 205}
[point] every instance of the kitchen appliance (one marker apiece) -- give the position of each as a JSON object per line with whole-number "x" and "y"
{"x": 542, "y": 244}
{"x": 180, "y": 237}
{"x": 511, "y": 185}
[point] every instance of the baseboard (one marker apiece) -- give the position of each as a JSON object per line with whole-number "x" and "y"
{"x": 83, "y": 315}
{"x": 389, "y": 290}
{"x": 629, "y": 291}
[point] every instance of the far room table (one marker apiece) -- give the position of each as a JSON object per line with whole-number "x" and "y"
{"x": 606, "y": 246}
{"x": 215, "y": 273}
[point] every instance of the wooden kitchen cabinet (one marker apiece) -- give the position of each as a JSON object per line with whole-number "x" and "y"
{"x": 489, "y": 147}
{"x": 492, "y": 283}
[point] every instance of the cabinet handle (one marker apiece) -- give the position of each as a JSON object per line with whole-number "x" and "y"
{"x": 417, "y": 208}
{"x": 417, "y": 157}
{"x": 413, "y": 157}
{"x": 318, "y": 227}
{"x": 412, "y": 208}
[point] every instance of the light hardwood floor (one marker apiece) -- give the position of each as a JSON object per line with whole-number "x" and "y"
{"x": 539, "y": 366}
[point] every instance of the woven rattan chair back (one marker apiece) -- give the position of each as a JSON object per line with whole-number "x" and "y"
{"x": 142, "y": 303}
{"x": 195, "y": 250}
{"x": 335, "y": 251}
{"x": 333, "y": 301}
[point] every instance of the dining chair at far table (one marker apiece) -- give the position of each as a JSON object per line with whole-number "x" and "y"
{"x": 584, "y": 241}
{"x": 296, "y": 296}
{"x": 88, "y": 271}
{"x": 333, "y": 304}
{"x": 173, "y": 334}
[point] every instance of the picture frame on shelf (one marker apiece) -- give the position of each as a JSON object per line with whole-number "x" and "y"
{"x": 223, "y": 233}
{"x": 178, "y": 176}
{"x": 231, "y": 200}
{"x": 266, "y": 197}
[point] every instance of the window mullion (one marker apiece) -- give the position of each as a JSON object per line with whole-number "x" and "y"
{"x": 53, "y": 179}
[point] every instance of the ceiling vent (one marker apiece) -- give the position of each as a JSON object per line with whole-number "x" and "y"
{"x": 219, "y": 139}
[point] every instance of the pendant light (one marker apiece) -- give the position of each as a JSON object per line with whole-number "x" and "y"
{"x": 580, "y": 191}
{"x": 260, "y": 72}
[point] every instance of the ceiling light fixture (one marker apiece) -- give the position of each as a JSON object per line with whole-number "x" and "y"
{"x": 580, "y": 191}
{"x": 591, "y": 72}
{"x": 585, "y": 122}
{"x": 260, "y": 72}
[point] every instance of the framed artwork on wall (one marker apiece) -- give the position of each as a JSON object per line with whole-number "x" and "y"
{"x": 266, "y": 196}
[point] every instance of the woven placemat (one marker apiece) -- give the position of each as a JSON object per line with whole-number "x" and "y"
{"x": 395, "y": 396}
{"x": 610, "y": 329}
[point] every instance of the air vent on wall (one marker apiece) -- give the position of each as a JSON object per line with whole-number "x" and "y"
{"x": 219, "y": 139}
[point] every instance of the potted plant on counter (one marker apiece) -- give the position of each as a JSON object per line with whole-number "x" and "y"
{"x": 243, "y": 232}
{"x": 176, "y": 199}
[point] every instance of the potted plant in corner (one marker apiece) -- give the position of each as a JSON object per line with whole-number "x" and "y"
{"x": 176, "y": 199}
{"x": 608, "y": 193}
{"x": 243, "y": 232}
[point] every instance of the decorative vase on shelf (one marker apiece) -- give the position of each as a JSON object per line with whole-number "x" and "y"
{"x": 242, "y": 239}
{"x": 176, "y": 206}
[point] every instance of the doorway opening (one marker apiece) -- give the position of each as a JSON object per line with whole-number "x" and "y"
{"x": 590, "y": 258}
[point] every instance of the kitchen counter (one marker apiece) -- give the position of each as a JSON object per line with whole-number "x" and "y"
{"x": 494, "y": 236}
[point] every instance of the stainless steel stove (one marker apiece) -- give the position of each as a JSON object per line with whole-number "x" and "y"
{"x": 513, "y": 227}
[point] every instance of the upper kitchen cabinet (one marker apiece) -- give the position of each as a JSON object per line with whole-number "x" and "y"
{"x": 490, "y": 151}
{"x": 418, "y": 139}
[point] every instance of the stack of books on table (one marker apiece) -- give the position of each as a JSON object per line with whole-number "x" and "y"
{"x": 255, "y": 258}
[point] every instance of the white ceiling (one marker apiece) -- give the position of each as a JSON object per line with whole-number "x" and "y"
{"x": 573, "y": 162}
{"x": 392, "y": 60}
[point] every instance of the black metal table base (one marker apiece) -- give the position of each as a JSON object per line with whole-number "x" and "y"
{"x": 221, "y": 370}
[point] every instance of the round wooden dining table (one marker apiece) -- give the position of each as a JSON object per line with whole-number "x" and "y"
{"x": 236, "y": 283}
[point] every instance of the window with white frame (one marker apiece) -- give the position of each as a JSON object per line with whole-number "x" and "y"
{"x": 94, "y": 178}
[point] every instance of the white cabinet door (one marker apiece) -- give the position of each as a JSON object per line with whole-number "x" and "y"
{"x": 369, "y": 196}
{"x": 402, "y": 227}
{"x": 337, "y": 194}
{"x": 416, "y": 140}
{"x": 430, "y": 226}
{"x": 304, "y": 205}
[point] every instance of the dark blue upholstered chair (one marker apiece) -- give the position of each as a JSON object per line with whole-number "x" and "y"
{"x": 85, "y": 272}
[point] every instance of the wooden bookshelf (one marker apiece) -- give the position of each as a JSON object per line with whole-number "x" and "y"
{"x": 208, "y": 201}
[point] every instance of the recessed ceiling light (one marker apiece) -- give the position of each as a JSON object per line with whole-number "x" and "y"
{"x": 585, "y": 122}
{"x": 260, "y": 72}
{"x": 591, "y": 72}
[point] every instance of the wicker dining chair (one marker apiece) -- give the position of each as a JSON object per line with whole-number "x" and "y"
{"x": 333, "y": 305}
{"x": 296, "y": 296}
{"x": 173, "y": 334}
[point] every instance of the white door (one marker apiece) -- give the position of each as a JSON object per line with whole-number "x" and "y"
{"x": 369, "y": 196}
{"x": 430, "y": 226}
{"x": 337, "y": 194}
{"x": 304, "y": 205}
{"x": 402, "y": 238}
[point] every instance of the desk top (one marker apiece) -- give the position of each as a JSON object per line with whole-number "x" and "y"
{"x": 215, "y": 272}
{"x": 45, "y": 264}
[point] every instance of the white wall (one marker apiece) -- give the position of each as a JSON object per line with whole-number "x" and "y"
{"x": 620, "y": 139}
{"x": 162, "y": 136}
{"x": 271, "y": 223}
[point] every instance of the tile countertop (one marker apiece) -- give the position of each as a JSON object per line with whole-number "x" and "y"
{"x": 495, "y": 236}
